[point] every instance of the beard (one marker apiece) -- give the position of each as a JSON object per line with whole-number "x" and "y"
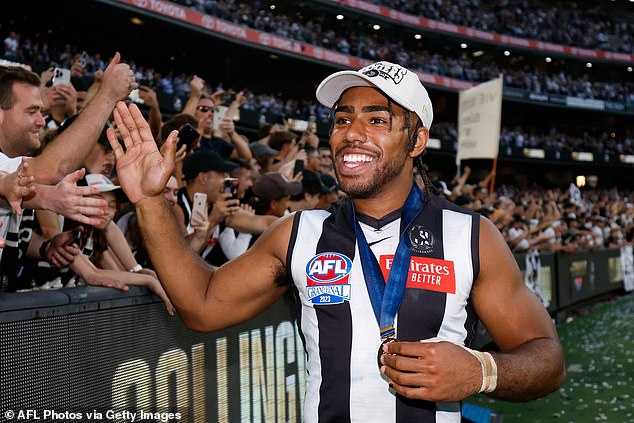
{"x": 364, "y": 186}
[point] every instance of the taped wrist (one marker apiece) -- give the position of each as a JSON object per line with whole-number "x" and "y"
{"x": 489, "y": 370}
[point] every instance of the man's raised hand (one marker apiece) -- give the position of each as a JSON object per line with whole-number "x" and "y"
{"x": 143, "y": 172}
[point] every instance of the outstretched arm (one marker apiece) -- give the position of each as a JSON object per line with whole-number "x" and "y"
{"x": 68, "y": 151}
{"x": 69, "y": 199}
{"x": 206, "y": 298}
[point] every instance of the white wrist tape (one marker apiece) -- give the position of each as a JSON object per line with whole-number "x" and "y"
{"x": 489, "y": 370}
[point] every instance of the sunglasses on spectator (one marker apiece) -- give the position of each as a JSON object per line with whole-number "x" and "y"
{"x": 205, "y": 109}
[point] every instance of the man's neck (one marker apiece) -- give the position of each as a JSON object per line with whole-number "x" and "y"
{"x": 387, "y": 200}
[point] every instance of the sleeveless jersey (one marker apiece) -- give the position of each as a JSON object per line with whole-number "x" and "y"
{"x": 335, "y": 316}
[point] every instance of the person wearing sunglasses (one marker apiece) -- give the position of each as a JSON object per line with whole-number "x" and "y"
{"x": 224, "y": 139}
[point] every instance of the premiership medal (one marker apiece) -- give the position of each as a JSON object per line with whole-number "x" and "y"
{"x": 386, "y": 297}
{"x": 380, "y": 353}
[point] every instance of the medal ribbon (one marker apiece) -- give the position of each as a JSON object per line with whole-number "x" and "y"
{"x": 385, "y": 297}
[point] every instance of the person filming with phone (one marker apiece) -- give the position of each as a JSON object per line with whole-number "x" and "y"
{"x": 204, "y": 172}
{"x": 206, "y": 109}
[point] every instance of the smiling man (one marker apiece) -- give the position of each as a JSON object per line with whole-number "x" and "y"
{"x": 389, "y": 262}
{"x": 21, "y": 119}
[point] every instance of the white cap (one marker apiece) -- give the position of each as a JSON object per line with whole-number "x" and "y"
{"x": 396, "y": 82}
{"x": 100, "y": 181}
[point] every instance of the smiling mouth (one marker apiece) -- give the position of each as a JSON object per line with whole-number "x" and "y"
{"x": 353, "y": 161}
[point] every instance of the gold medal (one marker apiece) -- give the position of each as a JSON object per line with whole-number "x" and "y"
{"x": 386, "y": 340}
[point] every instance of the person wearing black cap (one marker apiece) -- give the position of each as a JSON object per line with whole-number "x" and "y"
{"x": 378, "y": 351}
{"x": 274, "y": 191}
{"x": 312, "y": 190}
{"x": 204, "y": 171}
{"x": 331, "y": 193}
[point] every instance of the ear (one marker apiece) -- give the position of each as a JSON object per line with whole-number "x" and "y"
{"x": 201, "y": 178}
{"x": 421, "y": 141}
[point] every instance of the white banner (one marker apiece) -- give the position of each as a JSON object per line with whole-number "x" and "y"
{"x": 627, "y": 261}
{"x": 479, "y": 115}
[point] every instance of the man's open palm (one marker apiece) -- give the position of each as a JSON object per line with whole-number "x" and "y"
{"x": 141, "y": 169}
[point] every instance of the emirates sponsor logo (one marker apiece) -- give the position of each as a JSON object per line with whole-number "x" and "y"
{"x": 425, "y": 273}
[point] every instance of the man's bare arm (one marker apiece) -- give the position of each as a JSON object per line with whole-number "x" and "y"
{"x": 531, "y": 361}
{"x": 250, "y": 223}
{"x": 207, "y": 299}
{"x": 210, "y": 299}
{"x": 68, "y": 151}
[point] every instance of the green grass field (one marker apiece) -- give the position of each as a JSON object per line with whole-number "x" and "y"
{"x": 599, "y": 348}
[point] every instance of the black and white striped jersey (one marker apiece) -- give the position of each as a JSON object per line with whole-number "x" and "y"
{"x": 335, "y": 316}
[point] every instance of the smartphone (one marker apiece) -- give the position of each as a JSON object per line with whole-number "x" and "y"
{"x": 200, "y": 203}
{"x": 77, "y": 239}
{"x": 231, "y": 187}
{"x": 299, "y": 166}
{"x": 227, "y": 97}
{"x": 134, "y": 96}
{"x": 187, "y": 135}
{"x": 83, "y": 59}
{"x": 219, "y": 115}
{"x": 297, "y": 124}
{"x": 61, "y": 76}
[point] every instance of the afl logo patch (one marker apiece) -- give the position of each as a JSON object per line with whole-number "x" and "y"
{"x": 422, "y": 240}
{"x": 327, "y": 278}
{"x": 328, "y": 267}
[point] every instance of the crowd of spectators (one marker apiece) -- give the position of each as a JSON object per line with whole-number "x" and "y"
{"x": 178, "y": 85}
{"x": 550, "y": 220}
{"x": 602, "y": 144}
{"x": 587, "y": 24}
{"x": 317, "y": 31}
{"x": 66, "y": 221}
{"x": 461, "y": 67}
{"x": 605, "y": 145}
